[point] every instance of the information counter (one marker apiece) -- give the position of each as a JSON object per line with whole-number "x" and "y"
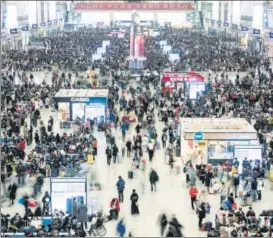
{"x": 212, "y": 140}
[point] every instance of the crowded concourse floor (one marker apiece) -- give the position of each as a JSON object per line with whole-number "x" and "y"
{"x": 171, "y": 196}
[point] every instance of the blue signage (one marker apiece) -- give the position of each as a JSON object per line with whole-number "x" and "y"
{"x": 207, "y": 20}
{"x": 55, "y": 21}
{"x": 244, "y": 28}
{"x": 256, "y": 31}
{"x": 25, "y": 28}
{"x": 43, "y": 24}
{"x": 49, "y": 23}
{"x": 13, "y": 31}
{"x": 198, "y": 136}
{"x": 226, "y": 24}
{"x": 34, "y": 26}
{"x": 219, "y": 23}
{"x": 234, "y": 26}
{"x": 212, "y": 21}
{"x": 270, "y": 35}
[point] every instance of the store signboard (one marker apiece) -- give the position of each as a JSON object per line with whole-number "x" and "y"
{"x": 223, "y": 136}
{"x": 13, "y": 31}
{"x": 43, "y": 24}
{"x": 234, "y": 26}
{"x": 34, "y": 26}
{"x": 198, "y": 136}
{"x": 25, "y": 28}
{"x": 96, "y": 112}
{"x": 244, "y": 28}
{"x": 256, "y": 31}
{"x": 226, "y": 24}
{"x": 219, "y": 23}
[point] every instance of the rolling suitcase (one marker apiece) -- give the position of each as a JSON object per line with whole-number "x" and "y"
{"x": 69, "y": 205}
{"x": 130, "y": 174}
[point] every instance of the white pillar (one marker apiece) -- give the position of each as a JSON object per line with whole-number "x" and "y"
{"x": 215, "y": 10}
{"x": 236, "y": 12}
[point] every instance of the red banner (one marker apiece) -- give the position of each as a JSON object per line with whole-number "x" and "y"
{"x": 182, "y": 76}
{"x": 143, "y": 6}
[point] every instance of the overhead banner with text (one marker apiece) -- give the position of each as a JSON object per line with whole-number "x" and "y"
{"x": 143, "y": 6}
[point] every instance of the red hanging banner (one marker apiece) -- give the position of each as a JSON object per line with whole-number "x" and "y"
{"x": 142, "y": 6}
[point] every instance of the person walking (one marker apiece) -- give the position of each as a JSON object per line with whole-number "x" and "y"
{"x": 201, "y": 214}
{"x": 120, "y": 186}
{"x": 74, "y": 207}
{"x": 115, "y": 153}
{"x": 82, "y": 214}
{"x": 108, "y": 155}
{"x": 12, "y": 192}
{"x": 153, "y": 179}
{"x": 193, "y": 192}
{"x": 223, "y": 193}
{"x": 121, "y": 228}
{"x": 134, "y": 203}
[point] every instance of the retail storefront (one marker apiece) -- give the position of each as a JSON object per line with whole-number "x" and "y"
{"x": 213, "y": 140}
{"x": 191, "y": 83}
{"x": 82, "y": 104}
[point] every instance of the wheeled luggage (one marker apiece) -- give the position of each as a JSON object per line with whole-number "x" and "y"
{"x": 69, "y": 205}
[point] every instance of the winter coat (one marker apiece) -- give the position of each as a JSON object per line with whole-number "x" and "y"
{"x": 120, "y": 185}
{"x": 74, "y": 208}
{"x": 154, "y": 177}
{"x": 82, "y": 213}
{"x": 12, "y": 191}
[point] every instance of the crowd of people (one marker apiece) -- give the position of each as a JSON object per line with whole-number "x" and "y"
{"x": 30, "y": 146}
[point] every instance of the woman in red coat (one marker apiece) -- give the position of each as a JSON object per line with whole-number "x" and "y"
{"x": 115, "y": 208}
{"x": 23, "y": 145}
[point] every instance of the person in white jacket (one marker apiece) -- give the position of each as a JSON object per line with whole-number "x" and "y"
{"x": 260, "y": 188}
{"x": 223, "y": 193}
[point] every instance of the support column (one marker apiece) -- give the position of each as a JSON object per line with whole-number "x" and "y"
{"x": 111, "y": 17}
{"x": 156, "y": 17}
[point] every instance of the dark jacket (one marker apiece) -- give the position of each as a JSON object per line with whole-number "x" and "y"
{"x": 115, "y": 150}
{"x": 12, "y": 191}
{"x": 120, "y": 185}
{"x": 82, "y": 213}
{"x": 154, "y": 177}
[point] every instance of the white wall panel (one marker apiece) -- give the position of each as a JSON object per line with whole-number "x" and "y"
{"x": 176, "y": 18}
{"x": 236, "y": 12}
{"x": 94, "y": 17}
{"x": 257, "y": 21}
{"x": 11, "y": 15}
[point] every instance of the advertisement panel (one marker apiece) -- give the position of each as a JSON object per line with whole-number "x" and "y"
{"x": 132, "y": 38}
{"x": 174, "y": 57}
{"x": 182, "y": 76}
{"x": 139, "y": 48}
{"x": 96, "y": 112}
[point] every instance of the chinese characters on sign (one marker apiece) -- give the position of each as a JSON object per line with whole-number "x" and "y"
{"x": 86, "y": 6}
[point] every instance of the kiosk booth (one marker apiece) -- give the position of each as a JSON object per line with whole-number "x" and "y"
{"x": 215, "y": 140}
{"x": 82, "y": 104}
{"x": 191, "y": 83}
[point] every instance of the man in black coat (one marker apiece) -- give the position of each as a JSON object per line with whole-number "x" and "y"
{"x": 153, "y": 179}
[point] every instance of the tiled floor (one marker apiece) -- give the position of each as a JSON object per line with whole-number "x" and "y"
{"x": 171, "y": 197}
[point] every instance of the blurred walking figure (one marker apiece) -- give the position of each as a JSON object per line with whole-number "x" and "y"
{"x": 163, "y": 222}
{"x": 153, "y": 179}
{"x": 121, "y": 228}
